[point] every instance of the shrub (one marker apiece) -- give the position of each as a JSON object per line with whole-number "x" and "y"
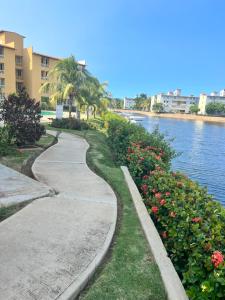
{"x": 191, "y": 224}
{"x": 122, "y": 135}
{"x": 192, "y": 227}
{"x": 6, "y": 141}
{"x": 69, "y": 123}
{"x": 22, "y": 114}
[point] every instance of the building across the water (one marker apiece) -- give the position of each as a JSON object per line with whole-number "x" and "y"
{"x": 128, "y": 103}
{"x": 21, "y": 66}
{"x": 174, "y": 102}
{"x": 213, "y": 97}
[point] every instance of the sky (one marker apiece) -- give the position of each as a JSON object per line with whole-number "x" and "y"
{"x": 137, "y": 46}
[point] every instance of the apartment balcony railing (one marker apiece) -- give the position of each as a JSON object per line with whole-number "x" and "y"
{"x": 2, "y": 72}
{"x": 45, "y": 65}
{"x": 44, "y": 78}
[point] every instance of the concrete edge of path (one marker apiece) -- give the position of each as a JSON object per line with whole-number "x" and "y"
{"x": 172, "y": 283}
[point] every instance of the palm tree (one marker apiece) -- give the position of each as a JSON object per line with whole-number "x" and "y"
{"x": 93, "y": 94}
{"x": 67, "y": 79}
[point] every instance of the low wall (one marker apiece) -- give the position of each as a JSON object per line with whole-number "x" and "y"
{"x": 170, "y": 278}
{"x": 177, "y": 116}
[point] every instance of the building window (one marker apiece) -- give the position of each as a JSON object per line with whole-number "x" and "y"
{"x": 19, "y": 74}
{"x": 19, "y": 60}
{"x": 2, "y": 82}
{"x": 2, "y": 68}
{"x": 1, "y": 51}
{"x": 19, "y": 86}
{"x": 2, "y": 96}
{"x": 44, "y": 75}
{"x": 44, "y": 61}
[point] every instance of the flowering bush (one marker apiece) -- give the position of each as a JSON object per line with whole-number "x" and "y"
{"x": 191, "y": 224}
{"x": 123, "y": 135}
{"x": 192, "y": 227}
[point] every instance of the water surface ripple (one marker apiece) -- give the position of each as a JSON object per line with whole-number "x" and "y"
{"x": 203, "y": 150}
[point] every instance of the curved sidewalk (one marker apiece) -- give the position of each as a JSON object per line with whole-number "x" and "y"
{"x": 50, "y": 248}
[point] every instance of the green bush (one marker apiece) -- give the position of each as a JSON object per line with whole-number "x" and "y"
{"x": 69, "y": 123}
{"x": 22, "y": 114}
{"x": 123, "y": 135}
{"x": 6, "y": 141}
{"x": 192, "y": 227}
{"x": 191, "y": 224}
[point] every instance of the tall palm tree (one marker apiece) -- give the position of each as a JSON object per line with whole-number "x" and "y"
{"x": 67, "y": 79}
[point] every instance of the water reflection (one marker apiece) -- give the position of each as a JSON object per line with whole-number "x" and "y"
{"x": 203, "y": 150}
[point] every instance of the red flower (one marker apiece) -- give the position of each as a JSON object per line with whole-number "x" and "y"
{"x": 164, "y": 234}
{"x": 217, "y": 258}
{"x": 167, "y": 193}
{"x": 142, "y": 158}
{"x": 162, "y": 202}
{"x": 196, "y": 220}
{"x": 158, "y": 195}
{"x": 155, "y": 209}
{"x": 173, "y": 214}
{"x": 144, "y": 187}
{"x": 145, "y": 177}
{"x": 158, "y": 157}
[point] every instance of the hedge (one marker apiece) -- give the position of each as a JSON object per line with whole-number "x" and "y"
{"x": 190, "y": 222}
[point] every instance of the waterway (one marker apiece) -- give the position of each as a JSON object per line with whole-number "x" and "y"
{"x": 202, "y": 147}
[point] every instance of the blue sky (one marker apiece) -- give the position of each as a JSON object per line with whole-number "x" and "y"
{"x": 146, "y": 46}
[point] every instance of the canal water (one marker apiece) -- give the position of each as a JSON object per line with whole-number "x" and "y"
{"x": 202, "y": 147}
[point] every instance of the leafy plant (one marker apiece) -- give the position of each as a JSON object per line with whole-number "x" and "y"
{"x": 69, "y": 123}
{"x": 6, "y": 140}
{"x": 22, "y": 116}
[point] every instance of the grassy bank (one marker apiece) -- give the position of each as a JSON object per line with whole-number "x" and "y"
{"x": 16, "y": 156}
{"x": 129, "y": 271}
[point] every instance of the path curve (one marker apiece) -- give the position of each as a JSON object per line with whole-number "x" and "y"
{"x": 50, "y": 248}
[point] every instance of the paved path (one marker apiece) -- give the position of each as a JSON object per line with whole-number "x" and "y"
{"x": 50, "y": 248}
{"x": 16, "y": 187}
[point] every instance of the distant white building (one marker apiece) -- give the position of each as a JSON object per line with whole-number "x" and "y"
{"x": 174, "y": 102}
{"x": 213, "y": 97}
{"x": 128, "y": 103}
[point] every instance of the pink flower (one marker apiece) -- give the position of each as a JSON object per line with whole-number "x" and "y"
{"x": 158, "y": 195}
{"x": 144, "y": 187}
{"x": 162, "y": 202}
{"x": 173, "y": 214}
{"x": 145, "y": 177}
{"x": 217, "y": 258}
{"x": 154, "y": 191}
{"x": 164, "y": 234}
{"x": 155, "y": 209}
{"x": 196, "y": 220}
{"x": 167, "y": 194}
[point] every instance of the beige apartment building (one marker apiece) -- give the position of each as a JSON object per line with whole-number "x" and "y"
{"x": 21, "y": 66}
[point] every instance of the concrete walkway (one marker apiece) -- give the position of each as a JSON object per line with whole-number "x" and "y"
{"x": 16, "y": 187}
{"x": 49, "y": 249}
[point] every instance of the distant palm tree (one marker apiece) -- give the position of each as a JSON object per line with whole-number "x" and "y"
{"x": 67, "y": 79}
{"x": 93, "y": 95}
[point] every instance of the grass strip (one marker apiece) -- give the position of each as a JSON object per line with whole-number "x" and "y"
{"x": 129, "y": 271}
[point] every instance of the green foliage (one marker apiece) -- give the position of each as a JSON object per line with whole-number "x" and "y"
{"x": 142, "y": 102}
{"x": 22, "y": 116}
{"x": 158, "y": 107}
{"x": 69, "y": 123}
{"x": 192, "y": 227}
{"x": 215, "y": 108}
{"x": 190, "y": 223}
{"x": 6, "y": 141}
{"x": 194, "y": 109}
{"x": 123, "y": 134}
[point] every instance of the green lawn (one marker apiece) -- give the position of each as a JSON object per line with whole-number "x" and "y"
{"x": 16, "y": 157}
{"x": 129, "y": 271}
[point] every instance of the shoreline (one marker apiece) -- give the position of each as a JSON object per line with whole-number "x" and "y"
{"x": 188, "y": 117}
